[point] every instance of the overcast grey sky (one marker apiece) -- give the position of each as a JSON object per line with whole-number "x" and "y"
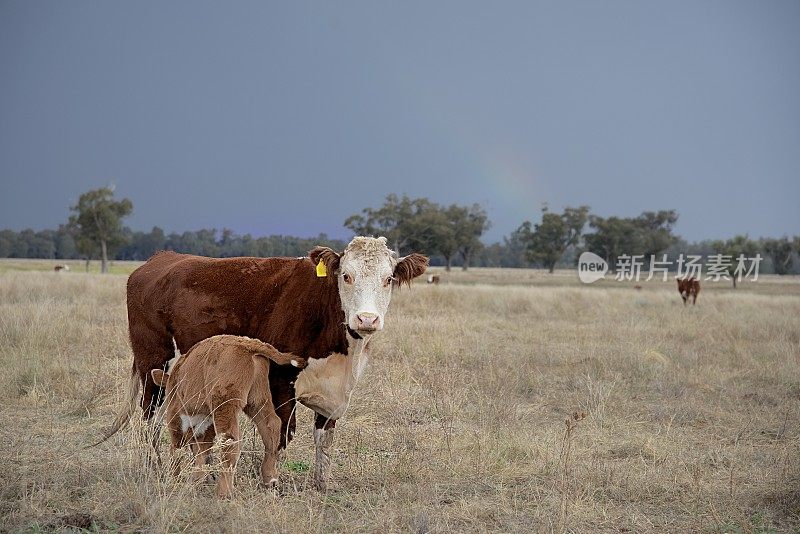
{"x": 286, "y": 117}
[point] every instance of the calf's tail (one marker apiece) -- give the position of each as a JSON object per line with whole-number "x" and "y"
{"x": 271, "y": 353}
{"x": 124, "y": 417}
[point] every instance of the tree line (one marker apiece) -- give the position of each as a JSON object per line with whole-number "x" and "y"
{"x": 450, "y": 234}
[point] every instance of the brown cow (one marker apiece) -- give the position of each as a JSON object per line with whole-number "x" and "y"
{"x": 688, "y": 287}
{"x": 208, "y": 387}
{"x": 433, "y": 279}
{"x": 314, "y": 306}
{"x": 61, "y": 267}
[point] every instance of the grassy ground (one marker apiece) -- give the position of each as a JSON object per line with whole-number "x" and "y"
{"x": 75, "y": 266}
{"x": 685, "y": 419}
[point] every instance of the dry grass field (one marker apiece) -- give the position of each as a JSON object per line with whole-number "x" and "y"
{"x": 462, "y": 423}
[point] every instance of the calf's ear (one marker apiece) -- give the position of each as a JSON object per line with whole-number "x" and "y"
{"x": 159, "y": 377}
{"x": 410, "y": 267}
{"x": 327, "y": 256}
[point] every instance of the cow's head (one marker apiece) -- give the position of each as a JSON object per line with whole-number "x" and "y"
{"x": 366, "y": 272}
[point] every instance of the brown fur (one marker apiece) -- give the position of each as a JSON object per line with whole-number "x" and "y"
{"x": 688, "y": 287}
{"x": 218, "y": 378}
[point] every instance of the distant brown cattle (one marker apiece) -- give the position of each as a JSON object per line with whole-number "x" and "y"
{"x": 433, "y": 278}
{"x": 688, "y": 287}
{"x": 313, "y": 306}
{"x": 63, "y": 267}
{"x": 208, "y": 387}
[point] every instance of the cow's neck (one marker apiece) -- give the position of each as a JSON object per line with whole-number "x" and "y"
{"x": 308, "y": 319}
{"x": 356, "y": 344}
{"x": 358, "y": 353}
{"x": 352, "y": 334}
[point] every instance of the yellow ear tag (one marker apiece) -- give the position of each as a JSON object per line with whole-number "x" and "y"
{"x": 322, "y": 271}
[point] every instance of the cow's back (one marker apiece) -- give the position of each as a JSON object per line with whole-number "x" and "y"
{"x": 278, "y": 300}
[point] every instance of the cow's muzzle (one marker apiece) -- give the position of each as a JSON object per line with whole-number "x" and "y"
{"x": 367, "y": 322}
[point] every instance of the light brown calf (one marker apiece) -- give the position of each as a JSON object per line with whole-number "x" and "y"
{"x": 207, "y": 388}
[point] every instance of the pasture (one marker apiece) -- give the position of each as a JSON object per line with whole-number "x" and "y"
{"x": 497, "y": 401}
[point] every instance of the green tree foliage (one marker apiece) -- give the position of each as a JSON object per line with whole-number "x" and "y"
{"x": 424, "y": 226}
{"x": 780, "y": 252}
{"x": 97, "y": 223}
{"x": 470, "y": 223}
{"x": 738, "y": 246}
{"x": 549, "y": 239}
{"x": 405, "y": 222}
{"x": 648, "y": 234}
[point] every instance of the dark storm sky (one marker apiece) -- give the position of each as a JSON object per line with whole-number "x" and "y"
{"x": 286, "y": 117}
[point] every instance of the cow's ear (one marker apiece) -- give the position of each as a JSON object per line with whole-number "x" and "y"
{"x": 410, "y": 267}
{"x": 327, "y": 256}
{"x": 159, "y": 377}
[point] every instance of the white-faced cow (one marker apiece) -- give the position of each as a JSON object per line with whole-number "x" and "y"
{"x": 325, "y": 304}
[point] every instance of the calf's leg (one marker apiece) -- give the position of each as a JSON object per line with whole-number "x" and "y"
{"x": 176, "y": 438}
{"x": 226, "y": 425}
{"x": 323, "y": 440}
{"x": 200, "y": 447}
{"x": 268, "y": 425}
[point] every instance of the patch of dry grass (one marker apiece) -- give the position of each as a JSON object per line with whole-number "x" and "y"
{"x": 692, "y": 415}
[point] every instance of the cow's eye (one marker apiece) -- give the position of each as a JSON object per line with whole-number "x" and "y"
{"x": 388, "y": 281}
{"x": 347, "y": 278}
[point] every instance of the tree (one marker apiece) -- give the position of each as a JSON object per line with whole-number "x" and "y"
{"x": 432, "y": 232}
{"x": 740, "y": 245}
{"x": 550, "y": 238}
{"x": 97, "y": 223}
{"x": 65, "y": 243}
{"x": 398, "y": 220}
{"x": 385, "y": 221}
{"x": 655, "y": 231}
{"x": 470, "y": 223}
{"x": 780, "y": 252}
{"x": 647, "y": 235}
{"x": 7, "y": 238}
{"x": 613, "y": 236}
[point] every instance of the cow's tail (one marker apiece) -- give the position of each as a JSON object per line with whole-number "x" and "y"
{"x": 124, "y": 417}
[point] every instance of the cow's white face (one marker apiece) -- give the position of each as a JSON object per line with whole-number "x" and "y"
{"x": 366, "y": 273}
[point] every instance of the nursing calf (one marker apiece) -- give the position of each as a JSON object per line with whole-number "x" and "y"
{"x": 207, "y": 388}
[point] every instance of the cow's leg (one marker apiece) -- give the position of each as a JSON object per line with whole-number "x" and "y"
{"x": 152, "y": 349}
{"x": 281, "y": 384}
{"x": 268, "y": 425}
{"x": 226, "y": 425}
{"x": 694, "y": 299}
{"x": 323, "y": 440}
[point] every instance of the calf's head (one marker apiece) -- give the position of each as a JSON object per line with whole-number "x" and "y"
{"x": 366, "y": 272}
